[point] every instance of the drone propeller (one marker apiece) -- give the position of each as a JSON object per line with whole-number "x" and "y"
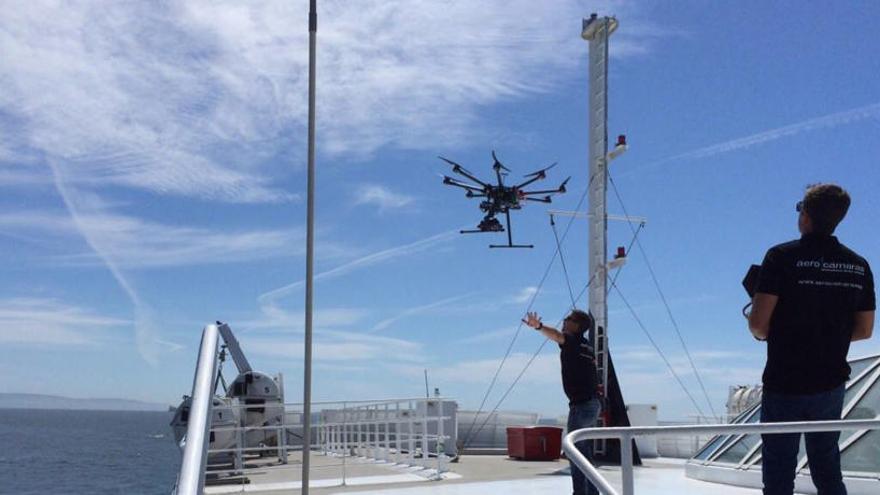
{"x": 458, "y": 169}
{"x": 498, "y": 164}
{"x": 536, "y": 176}
{"x": 562, "y": 186}
{"x": 541, "y": 172}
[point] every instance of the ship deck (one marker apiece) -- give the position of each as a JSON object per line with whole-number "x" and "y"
{"x": 474, "y": 474}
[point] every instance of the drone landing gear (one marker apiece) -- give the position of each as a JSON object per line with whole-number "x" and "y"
{"x": 510, "y": 243}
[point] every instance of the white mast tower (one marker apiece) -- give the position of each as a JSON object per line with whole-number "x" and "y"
{"x": 597, "y": 30}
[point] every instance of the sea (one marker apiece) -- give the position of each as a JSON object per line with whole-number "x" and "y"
{"x": 86, "y": 452}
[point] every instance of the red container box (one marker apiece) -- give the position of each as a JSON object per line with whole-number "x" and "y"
{"x": 534, "y": 443}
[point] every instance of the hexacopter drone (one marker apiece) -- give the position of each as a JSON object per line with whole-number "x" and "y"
{"x": 500, "y": 198}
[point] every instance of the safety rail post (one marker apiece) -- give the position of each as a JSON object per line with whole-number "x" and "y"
{"x": 425, "y": 449}
{"x": 411, "y": 433}
{"x": 386, "y": 455}
{"x": 359, "y": 435}
{"x": 371, "y": 427}
{"x": 239, "y": 442}
{"x": 397, "y": 424}
{"x": 344, "y": 438}
{"x": 626, "y": 463}
{"x": 191, "y": 480}
{"x": 282, "y": 433}
{"x": 441, "y": 451}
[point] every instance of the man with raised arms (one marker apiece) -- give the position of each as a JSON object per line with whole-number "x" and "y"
{"x": 579, "y": 381}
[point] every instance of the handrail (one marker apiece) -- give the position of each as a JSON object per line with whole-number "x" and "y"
{"x": 195, "y": 453}
{"x": 627, "y": 434}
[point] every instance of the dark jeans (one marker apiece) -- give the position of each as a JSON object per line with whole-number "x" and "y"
{"x": 583, "y": 415}
{"x": 779, "y": 451}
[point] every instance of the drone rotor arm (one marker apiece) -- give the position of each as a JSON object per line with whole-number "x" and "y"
{"x": 545, "y": 199}
{"x": 453, "y": 182}
{"x": 533, "y": 179}
{"x": 561, "y": 189}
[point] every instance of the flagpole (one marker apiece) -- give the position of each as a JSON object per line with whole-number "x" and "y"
{"x": 310, "y": 254}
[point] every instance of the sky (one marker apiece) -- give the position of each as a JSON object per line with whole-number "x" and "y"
{"x": 153, "y": 169}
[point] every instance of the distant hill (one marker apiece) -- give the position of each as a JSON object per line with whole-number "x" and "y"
{"x": 37, "y": 401}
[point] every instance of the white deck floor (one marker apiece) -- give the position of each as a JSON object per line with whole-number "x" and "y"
{"x": 655, "y": 478}
{"x": 477, "y": 475}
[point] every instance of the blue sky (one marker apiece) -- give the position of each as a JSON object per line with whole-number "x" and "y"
{"x": 152, "y": 168}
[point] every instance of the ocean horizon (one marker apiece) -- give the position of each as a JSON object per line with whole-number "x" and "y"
{"x": 86, "y": 452}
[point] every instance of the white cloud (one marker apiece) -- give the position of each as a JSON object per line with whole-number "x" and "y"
{"x": 381, "y": 197}
{"x": 824, "y": 122}
{"x": 417, "y": 310}
{"x": 49, "y": 322}
{"x": 135, "y": 243}
{"x": 336, "y": 346}
{"x": 525, "y": 295}
{"x": 201, "y": 98}
{"x": 505, "y": 333}
{"x": 268, "y": 299}
{"x": 274, "y": 318}
{"x": 544, "y": 370}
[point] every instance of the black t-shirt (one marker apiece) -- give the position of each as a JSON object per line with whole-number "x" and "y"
{"x": 821, "y": 284}
{"x": 579, "y": 378}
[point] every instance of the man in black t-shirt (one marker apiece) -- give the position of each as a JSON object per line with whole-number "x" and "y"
{"x": 814, "y": 296}
{"x": 579, "y": 380}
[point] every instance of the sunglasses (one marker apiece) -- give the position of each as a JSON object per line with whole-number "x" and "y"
{"x": 799, "y": 207}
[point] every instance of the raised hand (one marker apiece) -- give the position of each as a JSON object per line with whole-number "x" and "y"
{"x": 533, "y": 320}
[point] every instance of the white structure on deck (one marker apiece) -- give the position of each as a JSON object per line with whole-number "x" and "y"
{"x": 736, "y": 459}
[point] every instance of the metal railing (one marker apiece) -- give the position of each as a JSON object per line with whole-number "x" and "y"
{"x": 191, "y": 478}
{"x": 406, "y": 432}
{"x": 626, "y": 436}
{"x": 398, "y": 431}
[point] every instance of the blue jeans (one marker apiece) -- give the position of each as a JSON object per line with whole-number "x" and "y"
{"x": 583, "y": 415}
{"x": 779, "y": 451}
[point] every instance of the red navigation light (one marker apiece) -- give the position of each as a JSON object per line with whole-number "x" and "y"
{"x": 621, "y": 252}
{"x": 621, "y": 140}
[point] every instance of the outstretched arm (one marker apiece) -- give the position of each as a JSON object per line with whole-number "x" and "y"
{"x": 533, "y": 320}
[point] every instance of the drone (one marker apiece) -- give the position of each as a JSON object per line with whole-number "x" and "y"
{"x": 500, "y": 198}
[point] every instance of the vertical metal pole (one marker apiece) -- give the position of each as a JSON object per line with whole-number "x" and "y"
{"x": 282, "y": 433}
{"x": 386, "y": 454}
{"x": 344, "y": 438}
{"x": 626, "y": 464}
{"x": 191, "y": 479}
{"x": 425, "y": 449}
{"x": 397, "y": 425}
{"x": 310, "y": 254}
{"x": 411, "y": 434}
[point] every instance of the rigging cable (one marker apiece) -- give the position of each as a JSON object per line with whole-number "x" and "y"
{"x": 657, "y": 348}
{"x": 562, "y": 260}
{"x": 665, "y": 303}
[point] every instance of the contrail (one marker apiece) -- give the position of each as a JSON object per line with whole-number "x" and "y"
{"x": 382, "y": 325}
{"x": 824, "y": 122}
{"x": 266, "y": 299}
{"x": 145, "y": 335}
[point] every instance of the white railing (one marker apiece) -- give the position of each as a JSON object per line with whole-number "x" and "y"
{"x": 408, "y": 432}
{"x": 191, "y": 478}
{"x": 626, "y": 436}
{"x": 399, "y": 431}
